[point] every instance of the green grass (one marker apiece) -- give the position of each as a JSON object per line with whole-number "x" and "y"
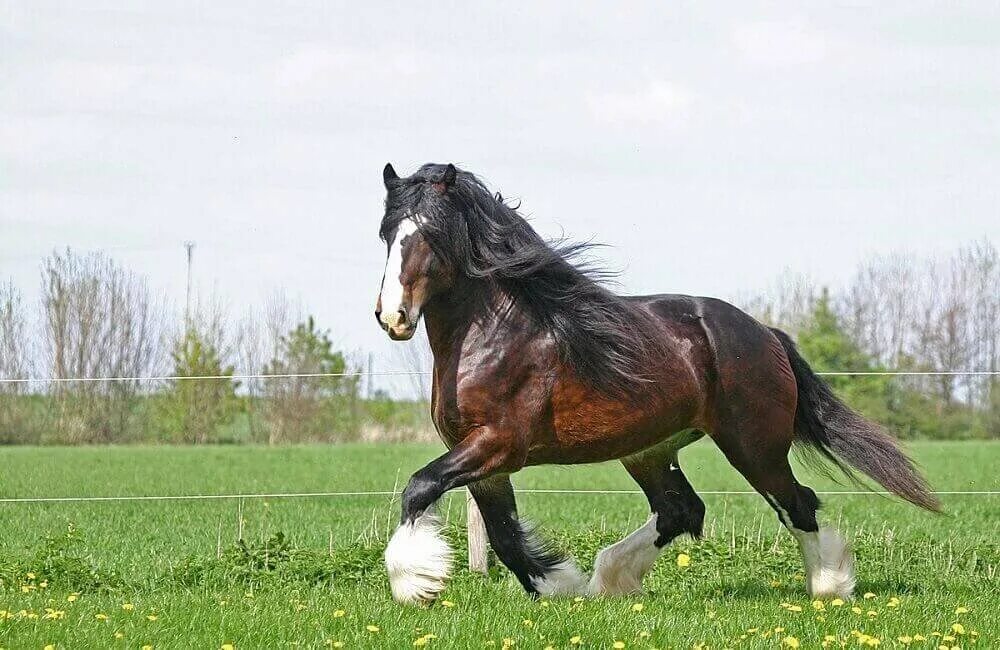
{"x": 179, "y": 561}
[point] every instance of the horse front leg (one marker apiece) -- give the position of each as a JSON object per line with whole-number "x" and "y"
{"x": 418, "y": 558}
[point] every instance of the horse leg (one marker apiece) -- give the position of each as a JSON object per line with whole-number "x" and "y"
{"x": 540, "y": 569}
{"x": 417, "y": 557}
{"x": 676, "y": 509}
{"x": 828, "y": 560}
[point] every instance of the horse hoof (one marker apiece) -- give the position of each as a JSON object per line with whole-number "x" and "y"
{"x": 418, "y": 560}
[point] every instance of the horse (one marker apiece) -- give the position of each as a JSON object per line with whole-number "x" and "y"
{"x": 537, "y": 362}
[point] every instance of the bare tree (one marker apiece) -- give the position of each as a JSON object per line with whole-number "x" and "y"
{"x": 16, "y": 422}
{"x": 99, "y": 320}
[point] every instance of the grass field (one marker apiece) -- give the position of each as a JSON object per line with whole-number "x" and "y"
{"x": 170, "y": 574}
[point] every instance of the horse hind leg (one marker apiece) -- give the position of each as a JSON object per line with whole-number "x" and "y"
{"x": 676, "y": 509}
{"x": 827, "y": 557}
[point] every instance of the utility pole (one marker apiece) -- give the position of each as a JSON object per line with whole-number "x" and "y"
{"x": 189, "y": 246}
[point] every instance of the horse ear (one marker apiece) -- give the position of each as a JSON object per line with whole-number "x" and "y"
{"x": 447, "y": 179}
{"x": 389, "y": 174}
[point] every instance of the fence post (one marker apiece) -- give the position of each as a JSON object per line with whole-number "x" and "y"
{"x": 479, "y": 552}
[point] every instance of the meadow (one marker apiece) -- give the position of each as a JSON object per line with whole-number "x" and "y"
{"x": 307, "y": 572}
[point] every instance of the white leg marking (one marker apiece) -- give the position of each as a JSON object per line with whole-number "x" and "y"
{"x": 829, "y": 563}
{"x": 619, "y": 568}
{"x": 564, "y": 579}
{"x": 418, "y": 560}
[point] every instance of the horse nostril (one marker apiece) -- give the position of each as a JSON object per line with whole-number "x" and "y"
{"x": 402, "y": 316}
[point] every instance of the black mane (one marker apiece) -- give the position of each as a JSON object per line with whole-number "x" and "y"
{"x": 604, "y": 337}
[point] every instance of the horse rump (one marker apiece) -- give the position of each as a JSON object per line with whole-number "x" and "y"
{"x": 825, "y": 424}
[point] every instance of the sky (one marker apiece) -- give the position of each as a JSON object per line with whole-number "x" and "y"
{"x": 711, "y": 146}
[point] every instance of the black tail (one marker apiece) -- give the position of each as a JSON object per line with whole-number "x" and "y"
{"x": 827, "y": 425}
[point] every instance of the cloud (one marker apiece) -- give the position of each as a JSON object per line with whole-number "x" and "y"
{"x": 779, "y": 43}
{"x": 659, "y": 102}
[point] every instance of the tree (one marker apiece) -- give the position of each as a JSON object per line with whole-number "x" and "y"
{"x": 16, "y": 422}
{"x": 309, "y": 408}
{"x": 99, "y": 320}
{"x": 192, "y": 410}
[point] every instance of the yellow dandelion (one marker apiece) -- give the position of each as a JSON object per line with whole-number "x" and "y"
{"x": 72, "y": 597}
{"x": 339, "y": 613}
{"x": 30, "y": 575}
{"x": 119, "y": 635}
{"x": 919, "y": 637}
{"x": 794, "y": 608}
{"x": 420, "y": 641}
{"x": 829, "y": 637}
{"x": 869, "y": 595}
{"x": 961, "y": 610}
{"x": 775, "y": 584}
{"x": 683, "y": 560}
{"x": 101, "y": 617}
{"x": 943, "y": 647}
{"x": 337, "y": 644}
{"x": 818, "y": 605}
{"x": 543, "y": 603}
{"x": 508, "y": 643}
{"x": 872, "y": 613}
{"x": 128, "y": 607}
{"x": 26, "y": 588}
{"x": 527, "y": 622}
{"x": 893, "y": 602}
{"x": 447, "y": 603}
{"x": 949, "y": 638}
{"x": 151, "y": 617}
{"x": 637, "y": 607}
{"x": 644, "y": 634}
{"x": 790, "y": 641}
{"x": 50, "y": 647}
{"x": 837, "y": 602}
{"x": 43, "y": 584}
{"x": 905, "y": 639}
{"x": 779, "y": 630}
{"x": 227, "y": 646}
{"x": 147, "y": 647}
{"x": 549, "y": 647}
{"x": 575, "y": 640}
{"x": 958, "y": 629}
{"x": 578, "y": 599}
{"x": 856, "y": 609}
{"x": 618, "y": 645}
{"x": 372, "y": 628}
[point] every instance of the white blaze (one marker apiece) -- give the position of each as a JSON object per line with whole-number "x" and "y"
{"x": 392, "y": 287}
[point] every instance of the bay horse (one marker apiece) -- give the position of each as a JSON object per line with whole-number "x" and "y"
{"x": 537, "y": 362}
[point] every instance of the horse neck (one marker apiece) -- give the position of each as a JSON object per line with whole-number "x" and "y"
{"x": 451, "y": 316}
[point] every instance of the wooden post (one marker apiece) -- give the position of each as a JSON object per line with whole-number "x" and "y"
{"x": 479, "y": 550}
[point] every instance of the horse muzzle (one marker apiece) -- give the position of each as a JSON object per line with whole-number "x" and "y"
{"x": 397, "y": 324}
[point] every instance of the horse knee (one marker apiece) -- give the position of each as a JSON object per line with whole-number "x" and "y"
{"x": 420, "y": 493}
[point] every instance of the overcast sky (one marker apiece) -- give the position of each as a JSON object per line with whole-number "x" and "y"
{"x": 712, "y": 145}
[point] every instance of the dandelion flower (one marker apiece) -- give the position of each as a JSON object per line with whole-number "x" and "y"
{"x": 856, "y": 609}
{"x": 72, "y": 597}
{"x": 683, "y": 560}
{"x": 147, "y": 647}
{"x": 893, "y": 602}
{"x": 618, "y": 645}
{"x": 420, "y": 641}
{"x": 447, "y": 603}
{"x": 637, "y": 607}
{"x": 128, "y": 607}
{"x": 958, "y": 629}
{"x": 837, "y": 602}
{"x": 339, "y": 613}
{"x": 905, "y": 639}
{"x": 151, "y": 617}
{"x": 790, "y": 641}
{"x": 818, "y": 605}
{"x": 527, "y": 622}
{"x": 794, "y": 608}
{"x": 508, "y": 643}
{"x": 961, "y": 610}
{"x": 227, "y": 646}
{"x": 337, "y": 644}
{"x": 372, "y": 628}
{"x": 869, "y": 595}
{"x": 644, "y": 634}
{"x": 575, "y": 640}
{"x": 30, "y": 575}
{"x": 119, "y": 635}
{"x": 919, "y": 637}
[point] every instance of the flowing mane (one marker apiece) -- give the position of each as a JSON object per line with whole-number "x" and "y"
{"x": 601, "y": 335}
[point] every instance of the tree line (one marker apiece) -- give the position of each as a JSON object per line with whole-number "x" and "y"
{"x": 96, "y": 318}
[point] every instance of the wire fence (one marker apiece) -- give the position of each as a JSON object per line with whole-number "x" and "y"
{"x": 396, "y": 493}
{"x": 401, "y": 373}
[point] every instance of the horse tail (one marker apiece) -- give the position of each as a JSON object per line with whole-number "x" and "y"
{"x": 823, "y": 423}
